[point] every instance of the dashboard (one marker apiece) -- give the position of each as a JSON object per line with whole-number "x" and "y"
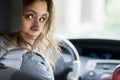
{"x": 98, "y": 53}
{"x": 98, "y": 57}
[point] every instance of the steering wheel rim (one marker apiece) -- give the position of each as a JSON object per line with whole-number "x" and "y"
{"x": 75, "y": 63}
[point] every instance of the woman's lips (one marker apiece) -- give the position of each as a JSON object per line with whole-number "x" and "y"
{"x": 35, "y": 29}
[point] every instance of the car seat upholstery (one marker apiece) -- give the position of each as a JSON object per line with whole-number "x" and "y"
{"x": 10, "y": 16}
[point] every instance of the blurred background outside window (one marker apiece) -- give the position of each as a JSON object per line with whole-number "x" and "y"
{"x": 88, "y": 18}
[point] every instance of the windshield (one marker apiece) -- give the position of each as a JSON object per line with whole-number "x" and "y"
{"x": 88, "y": 18}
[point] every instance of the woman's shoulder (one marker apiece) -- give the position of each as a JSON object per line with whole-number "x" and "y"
{"x": 3, "y": 42}
{"x": 3, "y": 46}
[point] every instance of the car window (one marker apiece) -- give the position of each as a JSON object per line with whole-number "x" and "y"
{"x": 88, "y": 18}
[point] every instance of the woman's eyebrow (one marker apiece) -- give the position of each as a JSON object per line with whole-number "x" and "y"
{"x": 30, "y": 11}
{"x": 44, "y": 14}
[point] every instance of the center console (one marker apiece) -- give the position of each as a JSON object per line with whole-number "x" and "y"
{"x": 100, "y": 69}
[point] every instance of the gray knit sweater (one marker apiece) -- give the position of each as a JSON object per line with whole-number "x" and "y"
{"x": 30, "y": 62}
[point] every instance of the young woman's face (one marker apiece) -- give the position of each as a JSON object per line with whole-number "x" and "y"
{"x": 35, "y": 16}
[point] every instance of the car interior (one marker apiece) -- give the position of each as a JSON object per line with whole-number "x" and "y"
{"x": 92, "y": 26}
{"x": 98, "y": 58}
{"x": 81, "y": 58}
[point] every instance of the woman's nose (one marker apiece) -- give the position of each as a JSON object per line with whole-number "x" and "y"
{"x": 36, "y": 22}
{"x": 36, "y": 25}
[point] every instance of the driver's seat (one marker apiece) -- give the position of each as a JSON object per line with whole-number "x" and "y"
{"x": 116, "y": 73}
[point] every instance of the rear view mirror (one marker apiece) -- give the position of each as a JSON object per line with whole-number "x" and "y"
{"x": 10, "y": 16}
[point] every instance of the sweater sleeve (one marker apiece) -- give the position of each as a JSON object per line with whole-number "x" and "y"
{"x": 36, "y": 65}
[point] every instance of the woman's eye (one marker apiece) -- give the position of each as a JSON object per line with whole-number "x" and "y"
{"x": 42, "y": 19}
{"x": 29, "y": 16}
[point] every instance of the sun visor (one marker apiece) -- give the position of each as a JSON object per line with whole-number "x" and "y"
{"x": 10, "y": 16}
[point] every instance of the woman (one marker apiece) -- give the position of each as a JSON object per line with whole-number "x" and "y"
{"x": 34, "y": 48}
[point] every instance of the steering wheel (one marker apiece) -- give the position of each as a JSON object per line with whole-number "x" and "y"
{"x": 68, "y": 65}
{"x": 116, "y": 73}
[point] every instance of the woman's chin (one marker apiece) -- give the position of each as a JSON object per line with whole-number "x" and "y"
{"x": 30, "y": 41}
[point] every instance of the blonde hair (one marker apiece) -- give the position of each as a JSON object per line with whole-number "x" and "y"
{"x": 46, "y": 42}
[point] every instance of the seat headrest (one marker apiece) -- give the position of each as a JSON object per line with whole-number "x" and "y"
{"x": 10, "y": 16}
